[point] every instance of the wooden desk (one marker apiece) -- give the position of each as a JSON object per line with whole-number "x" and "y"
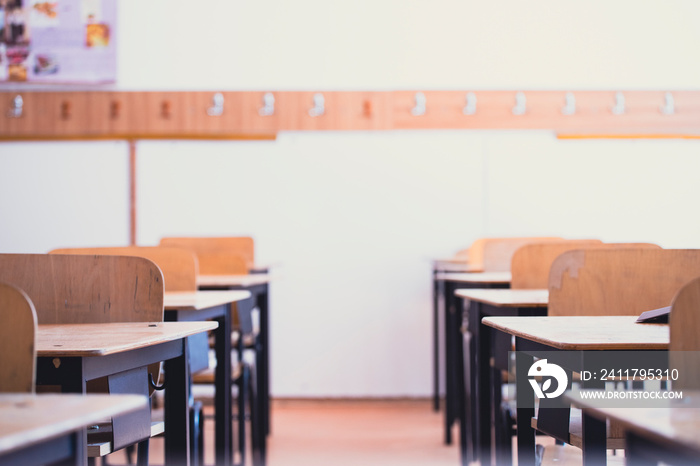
{"x": 201, "y": 300}
{"x": 258, "y": 285}
{"x": 450, "y": 265}
{"x": 218, "y": 306}
{"x": 447, "y": 284}
{"x": 581, "y": 334}
{"x": 454, "y": 266}
{"x": 69, "y": 356}
{"x": 668, "y": 433}
{"x": 474, "y": 418}
{"x": 207, "y": 282}
{"x": 43, "y": 429}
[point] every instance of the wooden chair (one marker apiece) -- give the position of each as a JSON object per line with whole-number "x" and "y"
{"x": 684, "y": 327}
{"x": 180, "y": 270}
{"x": 73, "y": 289}
{"x": 179, "y": 266}
{"x": 618, "y": 281}
{"x": 17, "y": 335}
{"x": 614, "y": 281}
{"x": 238, "y": 252}
{"x": 531, "y": 263}
{"x": 495, "y": 254}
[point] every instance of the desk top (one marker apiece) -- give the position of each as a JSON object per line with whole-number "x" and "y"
{"x": 507, "y": 297}
{"x": 585, "y": 332}
{"x": 198, "y": 300}
{"x": 477, "y": 277}
{"x": 82, "y": 340}
{"x": 234, "y": 280}
{"x": 26, "y": 419}
{"x": 455, "y": 265}
{"x": 675, "y": 422}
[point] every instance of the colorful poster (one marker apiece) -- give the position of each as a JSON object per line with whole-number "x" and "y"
{"x": 59, "y": 41}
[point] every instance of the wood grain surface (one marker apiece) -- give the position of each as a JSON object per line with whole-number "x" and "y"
{"x": 17, "y": 335}
{"x": 28, "y": 419}
{"x": 585, "y": 332}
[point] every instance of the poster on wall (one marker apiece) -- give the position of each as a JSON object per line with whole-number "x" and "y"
{"x": 59, "y": 41}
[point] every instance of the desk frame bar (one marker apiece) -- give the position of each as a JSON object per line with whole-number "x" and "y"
{"x": 454, "y": 356}
{"x": 260, "y": 293}
{"x": 223, "y": 402}
{"x": 73, "y": 373}
{"x": 67, "y": 449}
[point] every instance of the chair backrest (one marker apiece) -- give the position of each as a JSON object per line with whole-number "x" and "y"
{"x": 616, "y": 281}
{"x": 684, "y": 323}
{"x": 17, "y": 335}
{"x": 531, "y": 263}
{"x": 462, "y": 255}
{"x": 495, "y": 254}
{"x": 74, "y": 289}
{"x": 179, "y": 266}
{"x": 218, "y": 255}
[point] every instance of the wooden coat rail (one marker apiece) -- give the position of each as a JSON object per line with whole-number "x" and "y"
{"x": 260, "y": 115}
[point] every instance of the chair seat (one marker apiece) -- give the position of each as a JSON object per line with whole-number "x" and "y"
{"x": 567, "y": 455}
{"x": 614, "y": 442}
{"x": 99, "y": 437}
{"x": 208, "y": 375}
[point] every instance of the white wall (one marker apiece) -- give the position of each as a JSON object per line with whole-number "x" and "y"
{"x": 353, "y": 217}
{"x": 413, "y": 44}
{"x": 62, "y": 195}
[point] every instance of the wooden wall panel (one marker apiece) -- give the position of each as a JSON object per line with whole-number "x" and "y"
{"x": 133, "y": 115}
{"x": 253, "y": 119}
{"x": 68, "y": 113}
{"x": 34, "y": 117}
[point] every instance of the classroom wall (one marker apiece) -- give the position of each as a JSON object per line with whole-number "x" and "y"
{"x": 352, "y": 218}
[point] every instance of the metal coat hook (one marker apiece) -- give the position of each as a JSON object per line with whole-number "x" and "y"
{"x": 115, "y": 108}
{"x": 268, "y": 107}
{"x": 165, "y": 109}
{"x": 520, "y": 104}
{"x": 470, "y": 107}
{"x": 669, "y": 106}
{"x": 319, "y": 107}
{"x": 619, "y": 107}
{"x": 419, "y": 109}
{"x": 66, "y": 110}
{"x": 569, "y": 107}
{"x": 17, "y": 107}
{"x": 217, "y": 105}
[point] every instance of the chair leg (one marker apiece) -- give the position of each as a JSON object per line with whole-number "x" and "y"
{"x": 200, "y": 437}
{"x": 196, "y": 434}
{"x": 242, "y": 384}
{"x": 257, "y": 436}
{"x": 129, "y": 452}
{"x": 142, "y": 453}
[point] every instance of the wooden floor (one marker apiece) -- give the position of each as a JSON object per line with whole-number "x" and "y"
{"x": 341, "y": 433}
{"x": 344, "y": 433}
{"x": 368, "y": 433}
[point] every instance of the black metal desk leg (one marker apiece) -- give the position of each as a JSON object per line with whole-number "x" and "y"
{"x": 450, "y": 332}
{"x": 436, "y": 344}
{"x": 525, "y": 409}
{"x": 263, "y": 373}
{"x": 463, "y": 408}
{"x": 222, "y": 396}
{"x": 483, "y": 395}
{"x": 593, "y": 441}
{"x": 594, "y": 434}
{"x": 78, "y": 447}
{"x": 637, "y": 451}
{"x": 177, "y": 409}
